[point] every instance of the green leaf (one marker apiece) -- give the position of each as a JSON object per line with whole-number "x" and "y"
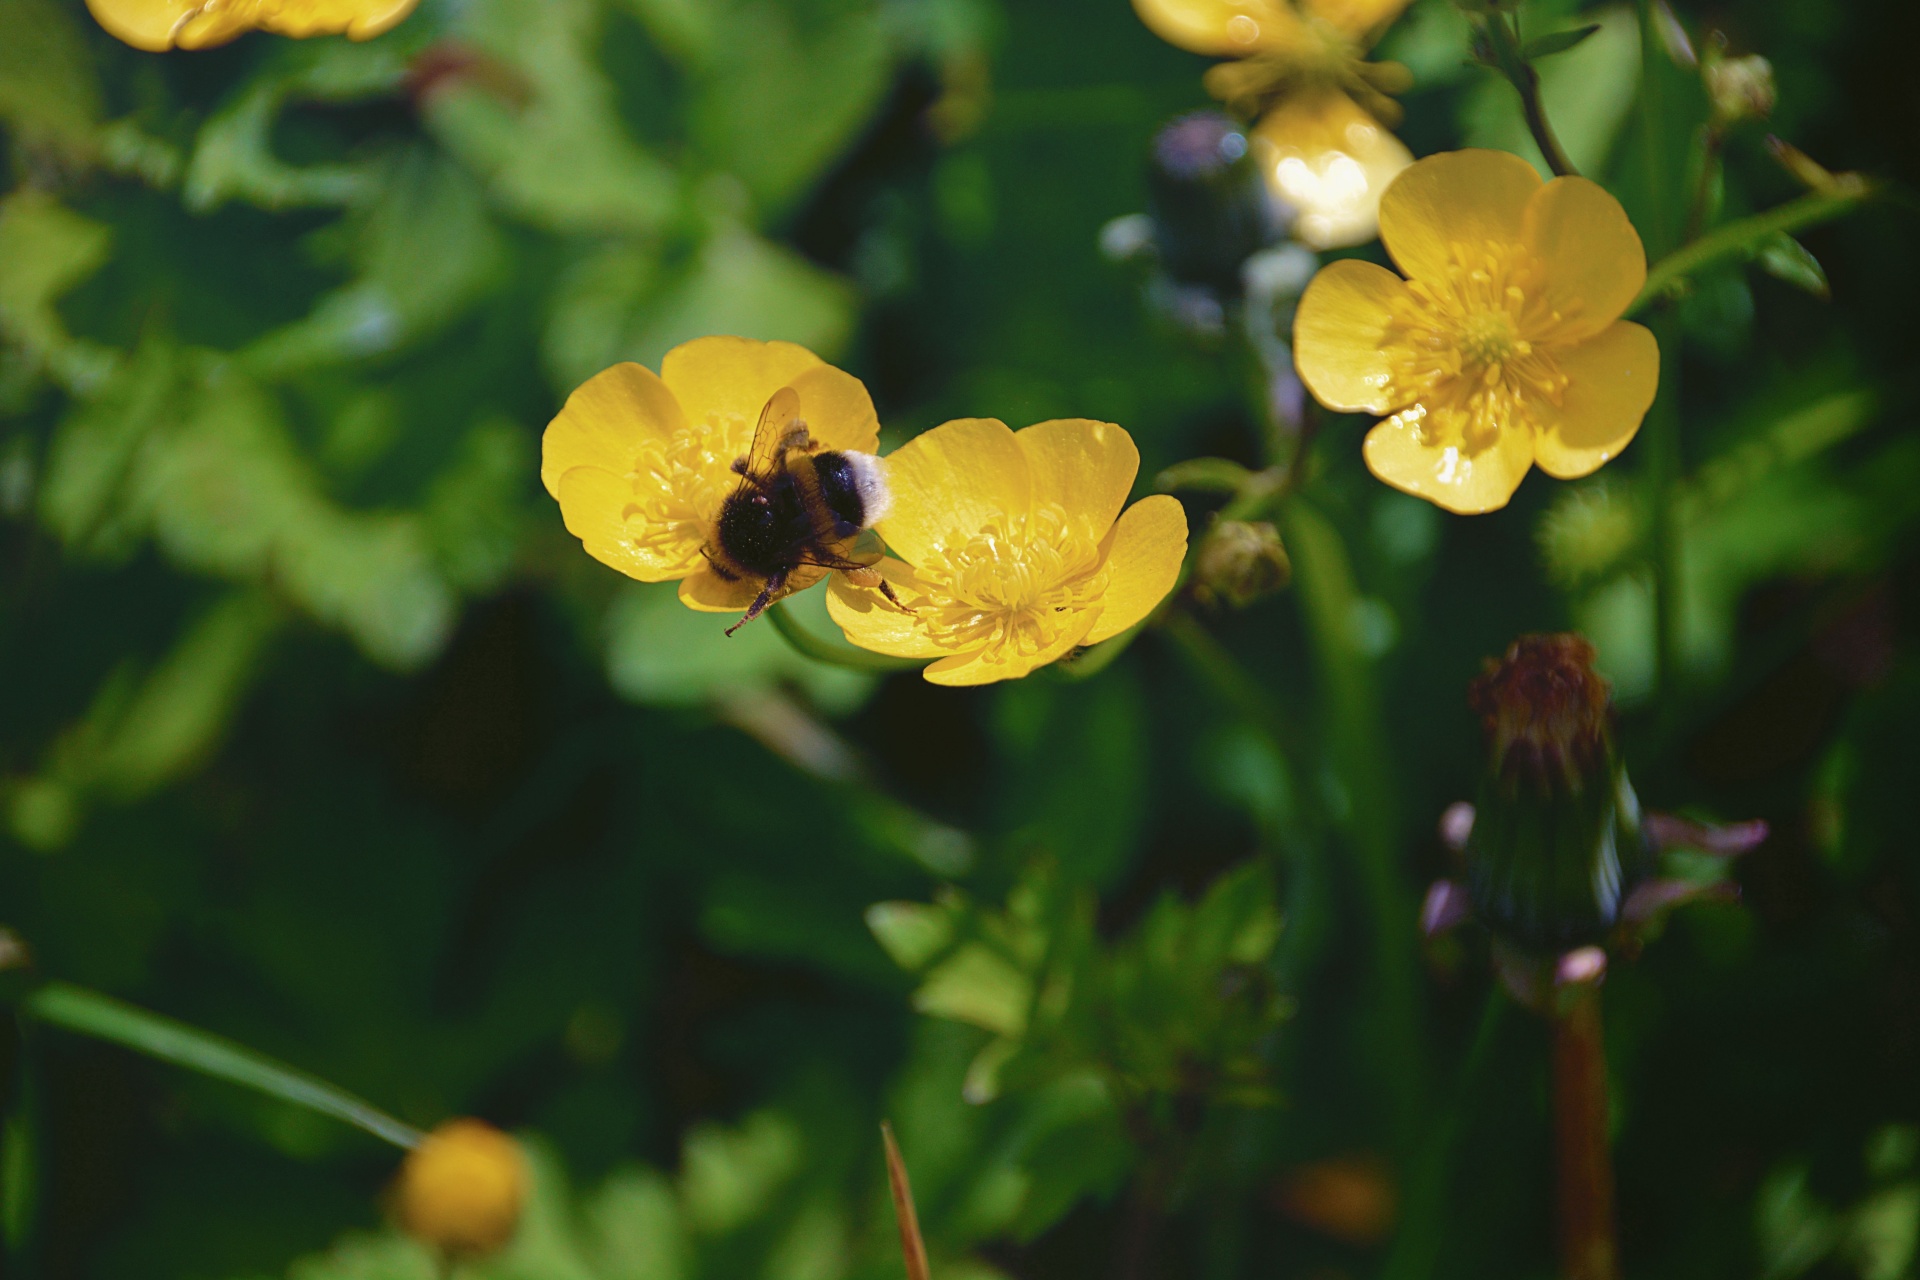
{"x": 1784, "y": 258}
{"x": 1558, "y": 42}
{"x": 663, "y": 653}
{"x": 45, "y": 250}
{"x": 425, "y": 251}
{"x": 89, "y": 1013}
{"x": 912, "y": 933}
{"x": 182, "y": 708}
{"x": 84, "y": 491}
{"x": 787, "y": 89}
{"x": 49, "y": 94}
{"x": 561, "y": 158}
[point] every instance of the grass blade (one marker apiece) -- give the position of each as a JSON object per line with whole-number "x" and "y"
{"x": 89, "y": 1013}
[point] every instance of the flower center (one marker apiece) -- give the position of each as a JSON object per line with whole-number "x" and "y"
{"x": 1012, "y": 587}
{"x": 1472, "y": 349}
{"x": 680, "y": 482}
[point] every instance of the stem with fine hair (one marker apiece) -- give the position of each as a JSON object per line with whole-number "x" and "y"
{"x": 1664, "y": 462}
{"x": 1504, "y": 43}
{"x": 1588, "y": 1248}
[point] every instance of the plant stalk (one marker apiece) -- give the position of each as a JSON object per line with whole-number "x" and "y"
{"x": 1505, "y": 43}
{"x": 1664, "y": 459}
{"x": 1588, "y": 1247}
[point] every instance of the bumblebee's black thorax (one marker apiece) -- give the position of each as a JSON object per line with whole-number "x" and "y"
{"x": 767, "y": 526}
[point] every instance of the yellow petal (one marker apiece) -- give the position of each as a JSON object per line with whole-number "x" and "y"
{"x": 873, "y": 623}
{"x": 144, "y": 24}
{"x": 1611, "y": 381}
{"x": 1448, "y": 476}
{"x": 1086, "y": 467}
{"x": 733, "y": 378}
{"x": 358, "y": 19}
{"x": 959, "y": 478}
{"x": 1340, "y": 335}
{"x": 837, "y": 409}
{"x": 1143, "y": 562}
{"x": 708, "y": 592}
{"x": 1357, "y": 17}
{"x": 604, "y": 419}
{"x": 987, "y": 666}
{"x": 1594, "y": 261}
{"x": 1221, "y": 28}
{"x": 1329, "y": 160}
{"x": 595, "y": 503}
{"x": 1457, "y": 197}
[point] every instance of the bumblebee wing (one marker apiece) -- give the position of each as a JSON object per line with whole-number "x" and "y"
{"x": 858, "y": 552}
{"x": 780, "y": 429}
{"x": 868, "y": 548}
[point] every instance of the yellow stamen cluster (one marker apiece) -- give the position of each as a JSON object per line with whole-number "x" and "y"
{"x": 679, "y": 483}
{"x": 1011, "y": 586}
{"x": 1463, "y": 346}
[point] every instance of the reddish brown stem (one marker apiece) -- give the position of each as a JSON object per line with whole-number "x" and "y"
{"x": 912, "y": 1246}
{"x": 1588, "y": 1249}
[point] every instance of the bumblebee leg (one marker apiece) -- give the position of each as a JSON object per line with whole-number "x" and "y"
{"x": 868, "y": 576}
{"x": 765, "y": 598}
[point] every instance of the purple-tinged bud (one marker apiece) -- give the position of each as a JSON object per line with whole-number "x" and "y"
{"x": 1211, "y": 209}
{"x": 1555, "y": 845}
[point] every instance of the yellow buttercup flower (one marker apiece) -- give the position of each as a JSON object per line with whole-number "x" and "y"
{"x": 1300, "y": 65}
{"x": 1504, "y": 346}
{"x": 158, "y": 25}
{"x": 462, "y": 1189}
{"x": 1012, "y": 549}
{"x": 641, "y": 463}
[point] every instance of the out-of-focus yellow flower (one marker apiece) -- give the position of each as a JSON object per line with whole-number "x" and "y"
{"x": 1013, "y": 549}
{"x": 641, "y": 463}
{"x": 1326, "y": 147}
{"x": 1503, "y": 348}
{"x": 157, "y": 25}
{"x": 461, "y": 1190}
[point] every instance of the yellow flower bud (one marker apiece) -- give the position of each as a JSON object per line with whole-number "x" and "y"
{"x": 1240, "y": 562}
{"x": 461, "y": 1190}
{"x": 1739, "y": 88}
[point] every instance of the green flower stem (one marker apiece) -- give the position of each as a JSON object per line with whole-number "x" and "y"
{"x": 1665, "y": 467}
{"x": 89, "y": 1013}
{"x": 1739, "y": 240}
{"x": 1665, "y": 463}
{"x": 833, "y": 653}
{"x": 1364, "y": 803}
{"x": 1513, "y": 64}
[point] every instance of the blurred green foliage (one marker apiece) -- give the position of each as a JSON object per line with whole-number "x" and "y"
{"x": 316, "y": 729}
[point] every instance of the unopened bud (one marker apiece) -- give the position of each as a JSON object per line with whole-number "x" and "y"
{"x": 1739, "y": 88}
{"x": 1210, "y": 206}
{"x": 1239, "y": 562}
{"x": 461, "y": 1190}
{"x": 1556, "y": 843}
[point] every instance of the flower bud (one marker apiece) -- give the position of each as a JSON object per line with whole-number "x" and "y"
{"x": 1739, "y": 88}
{"x": 1556, "y": 844}
{"x": 461, "y": 1190}
{"x": 1239, "y": 562}
{"x": 1210, "y": 206}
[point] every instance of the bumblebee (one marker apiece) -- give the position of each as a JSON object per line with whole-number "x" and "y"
{"x": 798, "y": 513}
